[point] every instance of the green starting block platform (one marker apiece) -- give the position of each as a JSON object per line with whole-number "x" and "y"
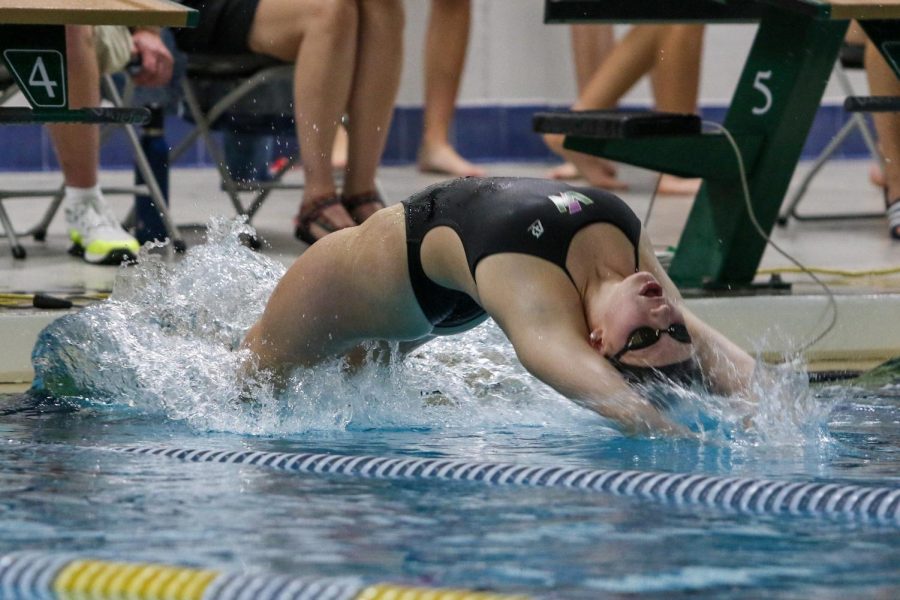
{"x": 616, "y": 124}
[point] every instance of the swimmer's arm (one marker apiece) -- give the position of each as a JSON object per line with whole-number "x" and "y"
{"x": 566, "y": 362}
{"x": 728, "y": 368}
{"x": 543, "y": 317}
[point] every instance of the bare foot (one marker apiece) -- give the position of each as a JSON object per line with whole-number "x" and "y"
{"x": 594, "y": 170}
{"x": 445, "y": 160}
{"x": 876, "y": 176}
{"x": 564, "y": 172}
{"x": 339, "y": 149}
{"x": 670, "y": 185}
{"x": 598, "y": 172}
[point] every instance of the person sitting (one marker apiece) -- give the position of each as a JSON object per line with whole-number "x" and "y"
{"x": 566, "y": 272}
{"x": 94, "y": 229}
{"x": 347, "y": 56}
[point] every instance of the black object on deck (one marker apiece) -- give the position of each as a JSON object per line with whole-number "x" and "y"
{"x": 616, "y": 124}
{"x": 872, "y": 104}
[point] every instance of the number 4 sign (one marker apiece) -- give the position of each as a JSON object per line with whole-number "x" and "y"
{"x": 41, "y": 76}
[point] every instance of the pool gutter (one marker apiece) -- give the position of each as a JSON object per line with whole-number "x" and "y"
{"x": 864, "y": 334}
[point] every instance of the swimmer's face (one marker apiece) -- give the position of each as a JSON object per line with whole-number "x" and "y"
{"x": 638, "y": 301}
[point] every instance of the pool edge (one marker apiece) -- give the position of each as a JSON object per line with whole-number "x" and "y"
{"x": 768, "y": 325}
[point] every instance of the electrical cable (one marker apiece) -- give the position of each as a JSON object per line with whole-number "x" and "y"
{"x": 745, "y": 186}
{"x": 652, "y": 200}
{"x": 44, "y": 300}
{"x": 833, "y": 271}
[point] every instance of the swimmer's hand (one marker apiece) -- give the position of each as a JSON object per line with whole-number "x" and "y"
{"x": 253, "y": 379}
{"x": 436, "y": 398}
{"x": 246, "y": 397}
{"x": 635, "y": 415}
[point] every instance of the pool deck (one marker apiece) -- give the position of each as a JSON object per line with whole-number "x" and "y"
{"x": 867, "y": 330}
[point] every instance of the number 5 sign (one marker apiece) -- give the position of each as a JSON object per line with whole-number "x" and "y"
{"x": 41, "y": 76}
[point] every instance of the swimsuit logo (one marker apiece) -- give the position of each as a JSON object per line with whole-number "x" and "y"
{"x": 536, "y": 229}
{"x": 570, "y": 201}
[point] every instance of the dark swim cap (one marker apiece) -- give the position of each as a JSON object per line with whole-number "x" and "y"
{"x": 685, "y": 373}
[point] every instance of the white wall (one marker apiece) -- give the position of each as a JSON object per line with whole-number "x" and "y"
{"x": 515, "y": 58}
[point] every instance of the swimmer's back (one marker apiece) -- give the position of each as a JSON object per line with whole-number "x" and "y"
{"x": 538, "y": 217}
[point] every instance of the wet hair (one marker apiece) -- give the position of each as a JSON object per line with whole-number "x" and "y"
{"x": 685, "y": 373}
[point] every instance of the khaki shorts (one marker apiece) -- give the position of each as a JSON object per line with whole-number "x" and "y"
{"x": 113, "y": 46}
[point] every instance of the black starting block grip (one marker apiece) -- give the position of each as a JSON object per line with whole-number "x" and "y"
{"x": 616, "y": 124}
{"x": 872, "y": 104}
{"x": 121, "y": 116}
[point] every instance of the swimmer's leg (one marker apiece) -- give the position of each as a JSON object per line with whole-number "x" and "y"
{"x": 379, "y": 352}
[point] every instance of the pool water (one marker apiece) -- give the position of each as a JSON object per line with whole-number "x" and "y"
{"x": 155, "y": 367}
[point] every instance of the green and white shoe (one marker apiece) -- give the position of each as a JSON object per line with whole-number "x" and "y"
{"x": 97, "y": 235}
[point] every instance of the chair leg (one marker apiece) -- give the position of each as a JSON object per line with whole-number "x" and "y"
{"x": 270, "y": 186}
{"x": 205, "y": 132}
{"x": 143, "y": 165}
{"x": 156, "y": 196}
{"x": 868, "y": 137}
{"x": 824, "y": 157}
{"x": 792, "y": 209}
{"x": 856, "y": 121}
{"x": 17, "y": 250}
{"x": 39, "y": 230}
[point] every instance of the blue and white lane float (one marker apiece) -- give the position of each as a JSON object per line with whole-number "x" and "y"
{"x": 742, "y": 494}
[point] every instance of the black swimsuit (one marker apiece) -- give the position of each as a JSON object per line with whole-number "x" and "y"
{"x": 538, "y": 217}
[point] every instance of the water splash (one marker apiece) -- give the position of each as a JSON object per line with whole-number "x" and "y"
{"x": 780, "y": 413}
{"x": 165, "y": 343}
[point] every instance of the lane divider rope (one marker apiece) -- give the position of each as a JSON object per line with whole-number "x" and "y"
{"x": 743, "y": 494}
{"x": 37, "y": 576}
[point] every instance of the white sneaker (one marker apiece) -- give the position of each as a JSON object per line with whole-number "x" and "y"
{"x": 97, "y": 235}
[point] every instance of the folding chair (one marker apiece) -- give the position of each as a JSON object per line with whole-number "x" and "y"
{"x": 245, "y": 93}
{"x": 851, "y": 58}
{"x": 151, "y": 188}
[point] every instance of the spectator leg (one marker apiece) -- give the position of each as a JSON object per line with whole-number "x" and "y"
{"x": 376, "y": 80}
{"x": 78, "y": 146}
{"x": 320, "y": 39}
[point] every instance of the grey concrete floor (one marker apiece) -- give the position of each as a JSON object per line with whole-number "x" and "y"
{"x": 859, "y": 245}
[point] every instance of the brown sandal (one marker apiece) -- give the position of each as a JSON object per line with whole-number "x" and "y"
{"x": 356, "y": 201}
{"x": 303, "y": 222}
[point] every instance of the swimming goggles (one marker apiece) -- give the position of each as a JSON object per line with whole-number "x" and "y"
{"x": 644, "y": 337}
